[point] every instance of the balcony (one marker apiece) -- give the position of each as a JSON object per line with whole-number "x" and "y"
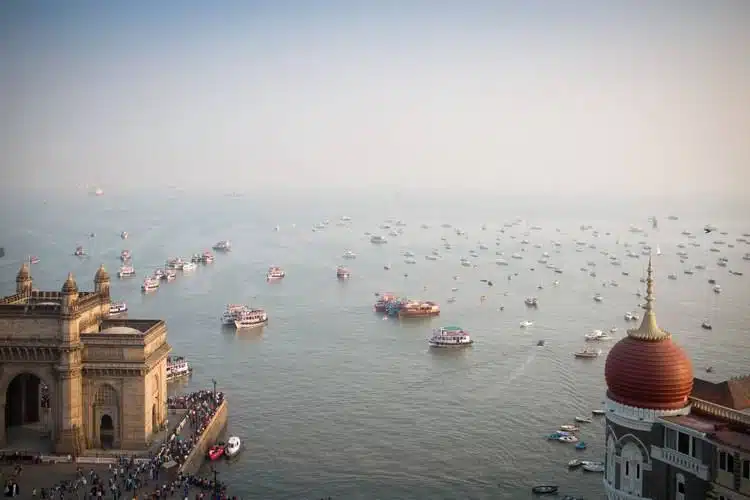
{"x": 681, "y": 461}
{"x": 613, "y": 494}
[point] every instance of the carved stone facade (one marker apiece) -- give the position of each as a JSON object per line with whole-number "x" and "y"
{"x": 82, "y": 380}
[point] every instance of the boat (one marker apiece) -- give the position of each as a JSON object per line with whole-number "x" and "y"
{"x": 124, "y": 235}
{"x": 150, "y": 284}
{"x": 717, "y": 288}
{"x": 251, "y": 318}
{"x": 631, "y": 316}
{"x": 117, "y": 307}
{"x": 377, "y": 239}
{"x": 349, "y": 255}
{"x": 706, "y": 325}
{"x": 598, "y": 412}
{"x": 343, "y": 273}
{"x": 383, "y": 301}
{"x": 595, "y": 335}
{"x": 583, "y": 420}
{"x": 581, "y": 445}
{"x": 598, "y": 297}
{"x": 546, "y": 489}
{"x": 531, "y": 301}
{"x": 79, "y": 252}
{"x": 207, "y": 257}
{"x": 126, "y": 272}
{"x": 215, "y": 452}
{"x": 232, "y": 447}
{"x": 450, "y": 336}
{"x": 168, "y": 275}
{"x": 419, "y": 309}
{"x": 575, "y": 463}
{"x": 568, "y": 439}
{"x": 125, "y": 255}
{"x": 525, "y": 324}
{"x": 177, "y": 367}
{"x": 222, "y": 246}
{"x": 588, "y": 353}
{"x": 540, "y": 343}
{"x": 275, "y": 273}
{"x": 593, "y": 467}
{"x": 188, "y": 266}
{"x": 569, "y": 428}
{"x": 231, "y": 313}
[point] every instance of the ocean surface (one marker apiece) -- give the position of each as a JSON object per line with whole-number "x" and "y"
{"x": 332, "y": 400}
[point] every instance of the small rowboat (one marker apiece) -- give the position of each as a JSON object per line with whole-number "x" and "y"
{"x": 544, "y": 489}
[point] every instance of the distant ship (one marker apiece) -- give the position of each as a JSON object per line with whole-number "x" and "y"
{"x": 97, "y": 192}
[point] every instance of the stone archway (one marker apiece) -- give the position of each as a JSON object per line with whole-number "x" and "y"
{"x": 107, "y": 416}
{"x": 106, "y": 431}
{"x": 27, "y": 412}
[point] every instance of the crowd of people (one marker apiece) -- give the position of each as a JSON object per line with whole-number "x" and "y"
{"x": 136, "y": 478}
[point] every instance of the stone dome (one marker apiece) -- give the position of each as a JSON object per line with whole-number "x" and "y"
{"x": 647, "y": 369}
{"x": 101, "y": 275}
{"x": 70, "y": 285}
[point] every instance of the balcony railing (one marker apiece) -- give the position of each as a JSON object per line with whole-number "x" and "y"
{"x": 613, "y": 494}
{"x": 682, "y": 461}
{"x": 720, "y": 411}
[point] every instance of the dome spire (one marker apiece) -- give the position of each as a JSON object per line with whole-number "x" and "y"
{"x": 649, "y": 330}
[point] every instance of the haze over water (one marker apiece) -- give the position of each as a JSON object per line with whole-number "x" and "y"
{"x": 466, "y": 113}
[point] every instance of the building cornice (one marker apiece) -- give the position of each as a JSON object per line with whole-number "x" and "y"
{"x": 628, "y": 416}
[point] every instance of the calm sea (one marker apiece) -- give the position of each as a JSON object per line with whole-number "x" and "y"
{"x": 330, "y": 399}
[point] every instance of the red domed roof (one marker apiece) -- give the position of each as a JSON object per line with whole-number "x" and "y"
{"x": 646, "y": 369}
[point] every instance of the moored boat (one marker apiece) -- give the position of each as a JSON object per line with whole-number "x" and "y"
{"x": 546, "y": 489}
{"x": 177, "y": 367}
{"x": 232, "y": 447}
{"x": 593, "y": 467}
{"x": 232, "y": 312}
{"x": 450, "y": 336}
{"x": 588, "y": 353}
{"x": 126, "y": 272}
{"x": 117, "y": 307}
{"x": 419, "y": 309}
{"x": 583, "y": 420}
{"x": 150, "y": 284}
{"x": 215, "y": 452}
{"x": 222, "y": 246}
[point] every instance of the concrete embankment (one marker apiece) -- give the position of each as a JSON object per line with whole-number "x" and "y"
{"x": 207, "y": 439}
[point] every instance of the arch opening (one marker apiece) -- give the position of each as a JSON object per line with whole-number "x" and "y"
{"x": 106, "y": 413}
{"x": 28, "y": 414}
{"x": 107, "y": 431}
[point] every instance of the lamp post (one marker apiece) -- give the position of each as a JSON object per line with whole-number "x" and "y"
{"x": 216, "y": 482}
{"x": 213, "y": 381}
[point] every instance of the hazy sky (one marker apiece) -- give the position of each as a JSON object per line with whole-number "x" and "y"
{"x": 544, "y": 96}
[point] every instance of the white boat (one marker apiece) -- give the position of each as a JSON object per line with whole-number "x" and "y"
{"x": 251, "y": 318}
{"x": 126, "y": 272}
{"x": 188, "y": 266}
{"x": 275, "y": 273}
{"x": 150, "y": 284}
{"x": 631, "y": 316}
{"x": 450, "y": 336}
{"x": 525, "y": 324}
{"x": 587, "y": 353}
{"x": 583, "y": 420}
{"x": 222, "y": 246}
{"x": 531, "y": 301}
{"x": 569, "y": 428}
{"x": 124, "y": 235}
{"x": 595, "y": 335}
{"x": 117, "y": 307}
{"x": 598, "y": 412}
{"x": 431, "y": 257}
{"x": 598, "y": 297}
{"x": 568, "y": 439}
{"x": 343, "y": 273}
{"x": 593, "y": 467}
{"x": 410, "y": 260}
{"x": 717, "y": 288}
{"x": 168, "y": 275}
{"x": 125, "y": 255}
{"x": 232, "y": 312}
{"x": 232, "y": 447}
{"x": 98, "y": 192}
{"x": 177, "y": 367}
{"x": 349, "y": 255}
{"x": 377, "y": 239}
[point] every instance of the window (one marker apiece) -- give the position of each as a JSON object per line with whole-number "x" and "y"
{"x": 730, "y": 463}
{"x": 627, "y": 468}
{"x": 680, "y": 480}
{"x": 638, "y": 470}
{"x": 746, "y": 469}
{"x": 683, "y": 443}
{"x": 695, "y": 448}
{"x": 670, "y": 439}
{"x": 722, "y": 460}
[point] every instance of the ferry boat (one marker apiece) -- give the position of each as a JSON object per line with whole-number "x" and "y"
{"x": 202, "y": 258}
{"x": 188, "y": 266}
{"x": 222, "y": 246}
{"x": 177, "y": 367}
{"x": 450, "y": 336}
{"x": 124, "y": 235}
{"x": 251, "y": 318}
{"x": 382, "y": 303}
{"x": 419, "y": 309}
{"x": 275, "y": 273}
{"x": 377, "y": 239}
{"x": 150, "y": 284}
{"x": 117, "y": 307}
{"x": 349, "y": 255}
{"x": 126, "y": 272}
{"x": 79, "y": 252}
{"x": 174, "y": 263}
{"x": 232, "y": 312}
{"x": 125, "y": 255}
{"x": 343, "y": 273}
{"x": 588, "y": 352}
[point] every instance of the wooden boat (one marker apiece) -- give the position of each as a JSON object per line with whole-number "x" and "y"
{"x": 546, "y": 489}
{"x": 583, "y": 420}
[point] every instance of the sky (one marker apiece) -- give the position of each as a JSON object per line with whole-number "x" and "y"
{"x": 643, "y": 97}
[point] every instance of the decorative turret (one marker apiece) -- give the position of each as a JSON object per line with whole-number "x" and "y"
{"x": 69, "y": 295}
{"x": 23, "y": 280}
{"x": 646, "y": 369}
{"x": 70, "y": 287}
{"x": 101, "y": 281}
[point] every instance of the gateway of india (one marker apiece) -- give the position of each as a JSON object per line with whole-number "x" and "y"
{"x": 74, "y": 380}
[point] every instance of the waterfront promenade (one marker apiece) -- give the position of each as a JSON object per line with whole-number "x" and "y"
{"x": 163, "y": 474}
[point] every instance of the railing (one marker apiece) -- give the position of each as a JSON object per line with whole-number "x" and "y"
{"x": 680, "y": 460}
{"x": 720, "y": 411}
{"x": 614, "y": 494}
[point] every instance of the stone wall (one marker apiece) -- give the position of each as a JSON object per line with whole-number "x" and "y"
{"x": 207, "y": 439}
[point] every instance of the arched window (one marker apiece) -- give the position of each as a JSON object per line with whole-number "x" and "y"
{"x": 631, "y": 469}
{"x": 106, "y": 396}
{"x": 679, "y": 487}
